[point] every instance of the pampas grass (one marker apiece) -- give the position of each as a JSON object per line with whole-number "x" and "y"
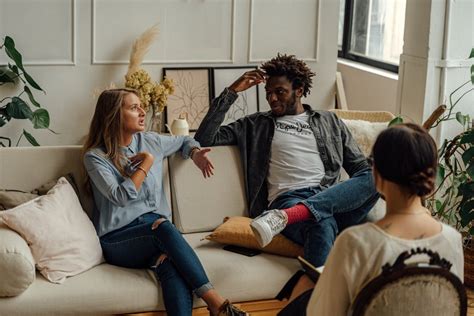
{"x": 97, "y": 91}
{"x": 140, "y": 48}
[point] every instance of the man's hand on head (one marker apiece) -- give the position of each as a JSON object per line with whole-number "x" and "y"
{"x": 248, "y": 80}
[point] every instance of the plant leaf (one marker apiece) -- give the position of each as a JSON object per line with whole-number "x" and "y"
{"x": 470, "y": 171}
{"x": 40, "y": 119}
{"x": 460, "y": 118}
{"x": 31, "y": 81}
{"x": 6, "y": 76}
{"x": 440, "y": 175}
{"x": 18, "y": 109}
{"x": 467, "y": 212}
{"x": 438, "y": 205}
{"x": 472, "y": 74}
{"x": 471, "y": 55}
{"x": 2, "y": 121}
{"x": 468, "y": 137}
{"x": 12, "y": 52}
{"x": 471, "y": 231}
{"x": 30, "y": 138}
{"x": 468, "y": 156}
{"x": 13, "y": 68}
{"x": 395, "y": 121}
{"x": 31, "y": 97}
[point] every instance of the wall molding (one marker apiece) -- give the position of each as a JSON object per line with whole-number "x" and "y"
{"x": 59, "y": 62}
{"x": 230, "y": 60}
{"x": 437, "y": 62}
{"x": 313, "y": 58}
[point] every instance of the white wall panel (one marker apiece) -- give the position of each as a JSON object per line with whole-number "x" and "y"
{"x": 190, "y": 31}
{"x": 194, "y": 33}
{"x": 287, "y": 26}
{"x": 44, "y": 31}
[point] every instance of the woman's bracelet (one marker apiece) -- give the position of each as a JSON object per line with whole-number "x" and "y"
{"x": 143, "y": 169}
{"x": 193, "y": 150}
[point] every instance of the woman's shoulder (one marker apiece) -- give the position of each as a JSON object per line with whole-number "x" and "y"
{"x": 358, "y": 236}
{"x": 150, "y": 137}
{"x": 95, "y": 152}
{"x": 451, "y": 234}
{"x": 95, "y": 156}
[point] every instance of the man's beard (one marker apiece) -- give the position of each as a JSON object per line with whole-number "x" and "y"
{"x": 291, "y": 105}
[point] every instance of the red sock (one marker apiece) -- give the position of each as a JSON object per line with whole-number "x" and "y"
{"x": 297, "y": 213}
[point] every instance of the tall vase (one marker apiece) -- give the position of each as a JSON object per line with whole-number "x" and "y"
{"x": 154, "y": 122}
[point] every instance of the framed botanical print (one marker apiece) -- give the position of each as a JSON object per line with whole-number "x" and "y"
{"x": 192, "y": 94}
{"x": 247, "y": 102}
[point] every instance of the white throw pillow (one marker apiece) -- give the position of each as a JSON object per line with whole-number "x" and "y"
{"x": 61, "y": 237}
{"x": 365, "y": 133}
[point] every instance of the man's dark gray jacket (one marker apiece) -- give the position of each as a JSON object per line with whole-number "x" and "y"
{"x": 253, "y": 135}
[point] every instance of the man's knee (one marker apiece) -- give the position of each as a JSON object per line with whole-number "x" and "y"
{"x": 326, "y": 227}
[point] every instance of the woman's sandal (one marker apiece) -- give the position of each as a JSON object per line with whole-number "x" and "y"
{"x": 227, "y": 309}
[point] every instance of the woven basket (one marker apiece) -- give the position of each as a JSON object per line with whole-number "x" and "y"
{"x": 469, "y": 265}
{"x": 371, "y": 116}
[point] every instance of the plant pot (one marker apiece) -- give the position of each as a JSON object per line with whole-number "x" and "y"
{"x": 469, "y": 265}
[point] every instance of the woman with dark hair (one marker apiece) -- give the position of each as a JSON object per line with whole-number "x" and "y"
{"x": 124, "y": 171}
{"x": 404, "y": 169}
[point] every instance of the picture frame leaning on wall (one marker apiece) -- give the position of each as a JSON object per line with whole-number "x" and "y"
{"x": 192, "y": 94}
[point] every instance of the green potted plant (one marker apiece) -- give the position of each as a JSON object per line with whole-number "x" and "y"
{"x": 16, "y": 107}
{"x": 453, "y": 199}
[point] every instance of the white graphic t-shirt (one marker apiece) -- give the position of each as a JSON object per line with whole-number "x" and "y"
{"x": 295, "y": 162}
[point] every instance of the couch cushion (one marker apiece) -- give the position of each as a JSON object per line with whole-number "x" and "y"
{"x": 105, "y": 289}
{"x": 17, "y": 267}
{"x": 200, "y": 204}
{"x": 241, "y": 278}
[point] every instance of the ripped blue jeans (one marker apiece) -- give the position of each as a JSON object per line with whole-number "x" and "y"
{"x": 138, "y": 246}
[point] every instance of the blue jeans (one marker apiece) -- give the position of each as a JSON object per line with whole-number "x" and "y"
{"x": 334, "y": 209}
{"x": 138, "y": 246}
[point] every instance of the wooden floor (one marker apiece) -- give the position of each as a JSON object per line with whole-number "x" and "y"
{"x": 257, "y": 308}
{"x": 470, "y": 302}
{"x": 271, "y": 308}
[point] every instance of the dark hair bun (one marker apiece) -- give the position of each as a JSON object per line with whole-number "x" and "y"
{"x": 407, "y": 155}
{"x": 422, "y": 183}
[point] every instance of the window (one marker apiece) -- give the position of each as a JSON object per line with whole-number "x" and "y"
{"x": 371, "y": 31}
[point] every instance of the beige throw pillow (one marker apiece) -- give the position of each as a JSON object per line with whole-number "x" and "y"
{"x": 12, "y": 198}
{"x": 61, "y": 237}
{"x": 236, "y": 231}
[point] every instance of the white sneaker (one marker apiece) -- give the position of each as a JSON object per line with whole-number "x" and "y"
{"x": 268, "y": 225}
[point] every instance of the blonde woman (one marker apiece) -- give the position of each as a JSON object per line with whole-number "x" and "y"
{"x": 124, "y": 168}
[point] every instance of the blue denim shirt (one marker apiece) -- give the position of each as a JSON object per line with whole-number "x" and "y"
{"x": 117, "y": 201}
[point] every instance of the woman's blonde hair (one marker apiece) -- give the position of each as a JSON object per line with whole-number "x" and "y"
{"x": 105, "y": 131}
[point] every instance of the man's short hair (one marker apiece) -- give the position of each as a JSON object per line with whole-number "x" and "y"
{"x": 295, "y": 70}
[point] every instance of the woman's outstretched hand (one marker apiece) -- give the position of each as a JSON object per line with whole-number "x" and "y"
{"x": 202, "y": 162}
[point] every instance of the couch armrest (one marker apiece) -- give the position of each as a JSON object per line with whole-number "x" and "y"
{"x": 17, "y": 266}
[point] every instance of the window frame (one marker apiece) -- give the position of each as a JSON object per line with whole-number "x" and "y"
{"x": 345, "y": 53}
